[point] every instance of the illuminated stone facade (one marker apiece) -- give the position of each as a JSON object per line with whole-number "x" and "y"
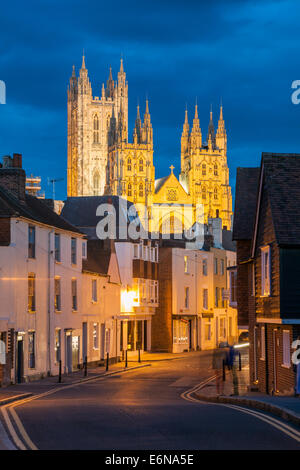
{"x": 102, "y": 161}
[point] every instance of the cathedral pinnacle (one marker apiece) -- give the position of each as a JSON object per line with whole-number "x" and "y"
{"x": 211, "y": 129}
{"x": 121, "y": 66}
{"x": 83, "y": 60}
{"x": 186, "y": 123}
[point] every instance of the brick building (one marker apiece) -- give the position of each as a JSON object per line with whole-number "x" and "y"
{"x": 269, "y": 245}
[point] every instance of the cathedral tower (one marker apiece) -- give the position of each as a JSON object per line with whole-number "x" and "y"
{"x": 89, "y": 126}
{"x": 204, "y": 169}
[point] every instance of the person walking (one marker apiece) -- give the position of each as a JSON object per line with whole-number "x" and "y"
{"x": 219, "y": 355}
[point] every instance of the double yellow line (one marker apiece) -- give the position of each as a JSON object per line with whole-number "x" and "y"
{"x": 11, "y": 417}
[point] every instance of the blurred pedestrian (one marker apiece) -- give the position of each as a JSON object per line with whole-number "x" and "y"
{"x": 219, "y": 357}
{"x": 230, "y": 356}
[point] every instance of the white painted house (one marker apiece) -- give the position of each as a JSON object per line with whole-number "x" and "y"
{"x": 40, "y": 282}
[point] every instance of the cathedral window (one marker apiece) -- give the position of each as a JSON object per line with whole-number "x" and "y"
{"x": 203, "y": 169}
{"x": 96, "y": 130}
{"x": 141, "y": 190}
{"x": 96, "y": 183}
{"x": 216, "y": 170}
{"x": 204, "y": 193}
{"x": 129, "y": 190}
{"x": 141, "y": 164}
{"x": 129, "y": 164}
{"x": 215, "y": 193}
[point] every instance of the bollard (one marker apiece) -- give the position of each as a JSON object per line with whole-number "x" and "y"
{"x": 126, "y": 359}
{"x": 107, "y": 360}
{"x": 240, "y": 361}
{"x": 224, "y": 372}
{"x": 85, "y": 366}
{"x": 139, "y": 355}
{"x": 59, "y": 372}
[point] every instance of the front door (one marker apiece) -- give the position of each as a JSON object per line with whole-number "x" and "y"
{"x": 69, "y": 353}
{"x": 20, "y": 359}
{"x": 75, "y": 352}
{"x": 84, "y": 341}
{"x": 139, "y": 334}
{"x": 145, "y": 335}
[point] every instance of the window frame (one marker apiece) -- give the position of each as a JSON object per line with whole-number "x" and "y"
{"x": 57, "y": 296}
{"x": 94, "y": 290}
{"x": 286, "y": 349}
{"x": 31, "y": 350}
{"x": 73, "y": 250}
{"x": 31, "y": 244}
{"x": 31, "y": 288}
{"x": 265, "y": 271}
{"x": 57, "y": 247}
{"x": 74, "y": 295}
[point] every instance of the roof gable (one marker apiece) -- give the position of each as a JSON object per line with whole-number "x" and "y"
{"x": 280, "y": 179}
{"x": 169, "y": 189}
{"x": 247, "y": 182}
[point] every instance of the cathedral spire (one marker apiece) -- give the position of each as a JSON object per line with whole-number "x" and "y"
{"x": 138, "y": 126}
{"x": 84, "y": 86}
{"x": 196, "y": 136}
{"x": 121, "y": 66}
{"x": 211, "y": 129}
{"x": 110, "y": 85}
{"x": 147, "y": 126}
{"x": 83, "y": 61}
{"x": 221, "y": 138}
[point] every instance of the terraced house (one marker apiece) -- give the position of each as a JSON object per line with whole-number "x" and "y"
{"x": 267, "y": 231}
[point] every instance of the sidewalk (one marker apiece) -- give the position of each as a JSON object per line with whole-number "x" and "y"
{"x": 236, "y": 392}
{"x": 23, "y": 390}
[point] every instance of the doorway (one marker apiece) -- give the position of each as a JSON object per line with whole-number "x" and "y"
{"x": 145, "y": 335}
{"x": 69, "y": 353}
{"x": 75, "y": 352}
{"x": 84, "y": 341}
{"x": 20, "y": 359}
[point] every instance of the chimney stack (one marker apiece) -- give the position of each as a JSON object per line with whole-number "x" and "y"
{"x": 12, "y": 176}
{"x": 215, "y": 229}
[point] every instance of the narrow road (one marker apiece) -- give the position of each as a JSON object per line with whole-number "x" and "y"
{"x": 143, "y": 410}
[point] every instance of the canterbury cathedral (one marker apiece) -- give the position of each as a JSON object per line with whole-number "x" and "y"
{"x": 101, "y": 160}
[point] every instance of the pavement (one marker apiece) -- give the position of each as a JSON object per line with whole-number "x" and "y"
{"x": 236, "y": 392}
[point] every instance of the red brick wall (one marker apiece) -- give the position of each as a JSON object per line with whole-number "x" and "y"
{"x": 13, "y": 179}
{"x": 286, "y": 377}
{"x": 162, "y": 334}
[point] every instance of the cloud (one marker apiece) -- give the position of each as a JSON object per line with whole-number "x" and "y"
{"x": 245, "y": 52}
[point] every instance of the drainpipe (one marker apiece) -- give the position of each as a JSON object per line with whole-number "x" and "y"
{"x": 49, "y": 305}
{"x": 266, "y": 359}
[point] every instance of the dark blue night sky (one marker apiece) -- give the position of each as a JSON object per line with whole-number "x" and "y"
{"x": 245, "y": 52}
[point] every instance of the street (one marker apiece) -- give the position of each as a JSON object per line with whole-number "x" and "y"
{"x": 143, "y": 410}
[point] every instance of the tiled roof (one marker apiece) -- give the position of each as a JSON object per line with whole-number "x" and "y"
{"x": 81, "y": 211}
{"x": 282, "y": 183}
{"x": 32, "y": 208}
{"x": 247, "y": 180}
